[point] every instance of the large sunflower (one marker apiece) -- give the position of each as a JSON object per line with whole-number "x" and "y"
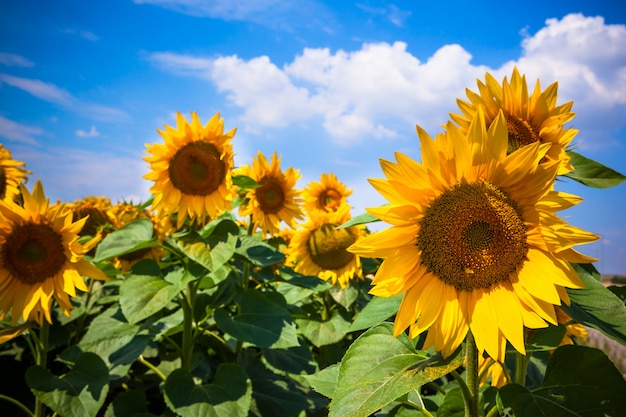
{"x": 276, "y": 199}
{"x": 475, "y": 243}
{"x": 318, "y": 248}
{"x": 529, "y": 118}
{"x": 192, "y": 169}
{"x": 12, "y": 174}
{"x": 327, "y": 195}
{"x": 40, "y": 257}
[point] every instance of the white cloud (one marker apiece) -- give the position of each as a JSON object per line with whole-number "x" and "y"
{"x": 390, "y": 11}
{"x": 14, "y": 60}
{"x": 85, "y": 34}
{"x": 18, "y": 132}
{"x": 51, "y": 93}
{"x": 381, "y": 89}
{"x": 91, "y": 133}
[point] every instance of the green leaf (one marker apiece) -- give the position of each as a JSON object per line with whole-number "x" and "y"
{"x": 592, "y": 173}
{"x": 378, "y": 368}
{"x": 294, "y": 360}
{"x": 243, "y": 181}
{"x": 129, "y": 238}
{"x": 324, "y": 332}
{"x": 595, "y": 306}
{"x": 325, "y": 381}
{"x": 79, "y": 393}
{"x": 263, "y": 321}
{"x": 548, "y": 338}
{"x": 363, "y": 218}
{"x": 376, "y": 311}
{"x": 453, "y": 404}
{"x": 258, "y": 253}
{"x": 228, "y": 395}
{"x": 131, "y": 403}
{"x": 143, "y": 295}
{"x": 579, "y": 381}
{"x": 344, "y": 296}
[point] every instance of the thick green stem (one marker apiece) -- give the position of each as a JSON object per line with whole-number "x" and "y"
{"x": 471, "y": 370}
{"x": 188, "y": 327}
{"x": 521, "y": 364}
{"x": 42, "y": 360}
{"x": 246, "y": 266}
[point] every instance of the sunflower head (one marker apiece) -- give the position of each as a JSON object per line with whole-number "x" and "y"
{"x": 326, "y": 195}
{"x": 12, "y": 174}
{"x": 40, "y": 257}
{"x": 319, "y": 248}
{"x": 475, "y": 242}
{"x": 530, "y": 117}
{"x": 276, "y": 199}
{"x": 96, "y": 210}
{"x": 192, "y": 169}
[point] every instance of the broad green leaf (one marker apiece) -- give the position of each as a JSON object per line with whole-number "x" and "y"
{"x": 257, "y": 252}
{"x": 579, "y": 381}
{"x": 376, "y": 311}
{"x": 453, "y": 404}
{"x": 129, "y": 238}
{"x": 143, "y": 295}
{"x": 325, "y": 381}
{"x": 379, "y": 368}
{"x": 79, "y": 393}
{"x": 131, "y": 403}
{"x": 595, "y": 306}
{"x": 344, "y": 296}
{"x": 324, "y": 332}
{"x": 294, "y": 360}
{"x": 228, "y": 395}
{"x": 592, "y": 173}
{"x": 363, "y": 218}
{"x": 296, "y": 287}
{"x": 263, "y": 321}
{"x": 548, "y": 338}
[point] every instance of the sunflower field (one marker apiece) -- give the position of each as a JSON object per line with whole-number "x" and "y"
{"x": 232, "y": 293}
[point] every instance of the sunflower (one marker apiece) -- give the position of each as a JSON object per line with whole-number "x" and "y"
{"x": 192, "y": 169}
{"x": 327, "y": 195}
{"x": 492, "y": 371}
{"x": 40, "y": 257}
{"x": 319, "y": 249}
{"x": 12, "y": 174}
{"x": 474, "y": 242}
{"x": 276, "y": 199}
{"x": 529, "y": 118}
{"x": 95, "y": 209}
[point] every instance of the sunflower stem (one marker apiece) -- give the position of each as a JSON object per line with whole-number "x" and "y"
{"x": 521, "y": 364}
{"x": 17, "y": 404}
{"x": 42, "y": 360}
{"x": 188, "y": 327}
{"x": 152, "y": 368}
{"x": 246, "y": 266}
{"x": 471, "y": 404}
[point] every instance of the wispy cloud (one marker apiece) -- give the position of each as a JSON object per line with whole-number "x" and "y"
{"x": 14, "y": 60}
{"x": 17, "y": 132}
{"x": 389, "y": 11}
{"x": 85, "y": 34}
{"x": 51, "y": 93}
{"x": 91, "y": 133}
{"x": 583, "y": 54}
{"x": 276, "y": 14}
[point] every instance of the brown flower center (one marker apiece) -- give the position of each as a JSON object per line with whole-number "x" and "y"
{"x": 270, "y": 195}
{"x": 33, "y": 253}
{"x": 96, "y": 220}
{"x": 473, "y": 236}
{"x": 197, "y": 168}
{"x": 327, "y": 246}
{"x": 329, "y": 199}
{"x": 520, "y": 133}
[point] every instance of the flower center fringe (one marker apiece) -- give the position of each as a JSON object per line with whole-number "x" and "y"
{"x": 520, "y": 133}
{"x": 327, "y": 246}
{"x": 270, "y": 195}
{"x": 33, "y": 253}
{"x": 197, "y": 169}
{"x": 473, "y": 236}
{"x": 329, "y": 200}
{"x": 3, "y": 183}
{"x": 96, "y": 220}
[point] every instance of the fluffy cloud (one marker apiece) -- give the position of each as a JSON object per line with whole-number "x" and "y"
{"x": 91, "y": 133}
{"x": 381, "y": 88}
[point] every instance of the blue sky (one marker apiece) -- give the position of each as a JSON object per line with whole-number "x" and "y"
{"x": 332, "y": 86}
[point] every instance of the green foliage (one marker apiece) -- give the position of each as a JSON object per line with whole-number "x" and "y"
{"x": 592, "y": 173}
{"x": 130, "y": 238}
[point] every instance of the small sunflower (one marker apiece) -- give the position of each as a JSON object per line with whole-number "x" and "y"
{"x": 95, "y": 209}
{"x": 319, "y": 249}
{"x": 40, "y": 257}
{"x": 276, "y": 199}
{"x": 474, "y": 243}
{"x": 529, "y": 118}
{"x": 327, "y": 195}
{"x": 192, "y": 169}
{"x": 12, "y": 174}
